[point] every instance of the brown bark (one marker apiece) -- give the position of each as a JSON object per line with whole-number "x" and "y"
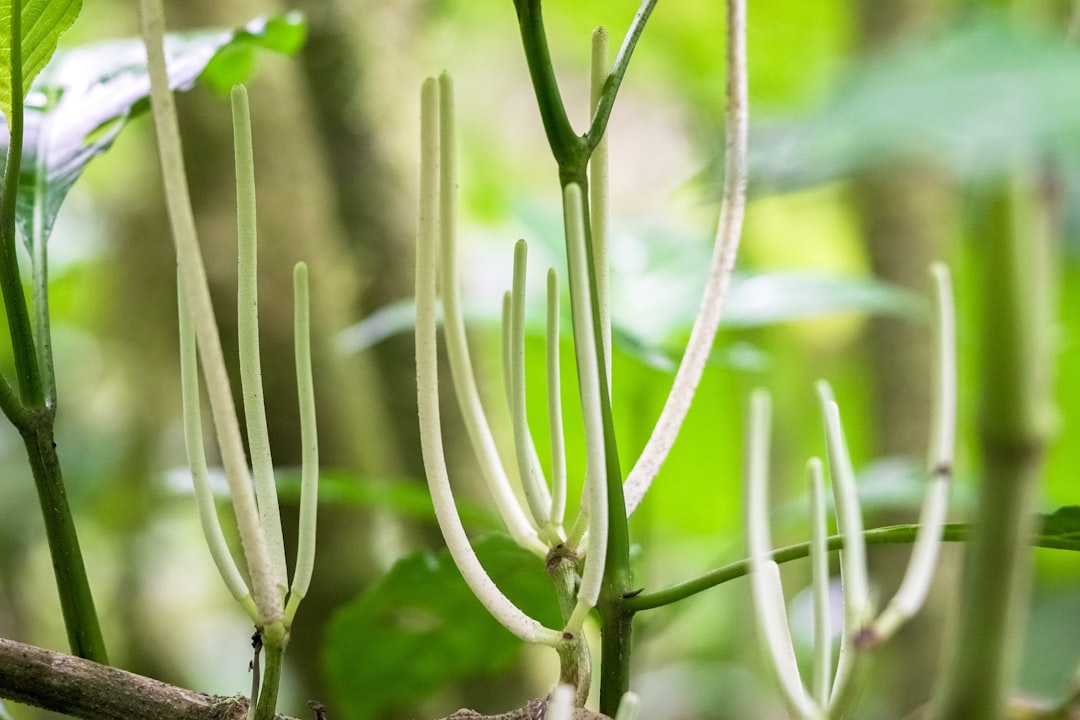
{"x": 84, "y": 689}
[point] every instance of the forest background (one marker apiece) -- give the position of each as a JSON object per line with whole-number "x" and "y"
{"x": 876, "y": 130}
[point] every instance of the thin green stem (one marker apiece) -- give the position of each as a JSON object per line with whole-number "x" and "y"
{"x": 247, "y": 324}
{"x": 606, "y": 101}
{"x": 72, "y": 584}
{"x": 19, "y": 327}
{"x": 568, "y": 148}
{"x": 891, "y": 535}
{"x": 274, "y": 640}
{"x": 31, "y": 413}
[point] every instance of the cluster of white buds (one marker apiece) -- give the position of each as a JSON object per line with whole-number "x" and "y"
{"x": 830, "y": 693}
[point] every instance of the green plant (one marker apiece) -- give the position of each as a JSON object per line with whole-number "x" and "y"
{"x": 588, "y": 557}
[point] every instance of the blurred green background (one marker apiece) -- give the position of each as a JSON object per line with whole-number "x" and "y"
{"x": 878, "y": 131}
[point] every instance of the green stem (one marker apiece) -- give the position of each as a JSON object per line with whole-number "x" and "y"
{"x": 572, "y": 153}
{"x": 1016, "y": 424}
{"x": 30, "y": 415}
{"x": 274, "y": 639}
{"x": 891, "y": 535}
{"x": 606, "y": 101}
{"x": 568, "y": 148}
{"x": 22, "y": 336}
{"x": 76, "y": 600}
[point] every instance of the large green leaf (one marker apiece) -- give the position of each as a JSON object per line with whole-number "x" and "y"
{"x": 86, "y": 95}
{"x": 43, "y": 22}
{"x": 420, "y": 628}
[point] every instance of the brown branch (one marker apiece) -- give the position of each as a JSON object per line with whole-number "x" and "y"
{"x": 533, "y": 710}
{"x": 87, "y": 690}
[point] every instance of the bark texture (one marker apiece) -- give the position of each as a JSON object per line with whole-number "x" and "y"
{"x": 83, "y": 689}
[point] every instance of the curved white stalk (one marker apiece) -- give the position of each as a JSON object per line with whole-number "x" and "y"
{"x": 532, "y": 480}
{"x": 457, "y": 349}
{"x": 560, "y": 705}
{"x": 265, "y": 589}
{"x": 589, "y": 388}
{"x": 193, "y": 438}
{"x": 599, "y": 207}
{"x": 819, "y": 566}
{"x": 728, "y": 231}
{"x": 629, "y": 706}
{"x": 853, "y": 556}
{"x": 247, "y": 325}
{"x": 916, "y": 584}
{"x": 554, "y": 393}
{"x": 500, "y": 607}
{"x": 309, "y": 441}
{"x": 768, "y": 594}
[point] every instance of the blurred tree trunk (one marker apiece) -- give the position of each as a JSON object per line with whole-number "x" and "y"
{"x": 908, "y": 219}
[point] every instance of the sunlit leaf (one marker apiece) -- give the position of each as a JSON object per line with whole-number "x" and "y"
{"x": 85, "y": 97}
{"x": 43, "y": 22}
{"x": 420, "y": 628}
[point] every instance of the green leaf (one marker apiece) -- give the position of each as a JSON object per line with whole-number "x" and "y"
{"x": 43, "y": 22}
{"x": 1061, "y": 529}
{"x": 234, "y": 62}
{"x": 87, "y": 95}
{"x": 420, "y": 628}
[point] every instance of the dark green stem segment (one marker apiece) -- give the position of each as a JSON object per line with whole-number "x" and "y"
{"x": 572, "y": 153}
{"x": 29, "y": 413}
{"x": 1016, "y": 423}
{"x": 274, "y": 652}
{"x": 569, "y": 149}
{"x": 76, "y": 600}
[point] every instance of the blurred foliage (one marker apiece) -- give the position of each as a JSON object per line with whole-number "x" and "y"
{"x": 426, "y": 628}
{"x": 969, "y": 97}
{"x": 86, "y": 95}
